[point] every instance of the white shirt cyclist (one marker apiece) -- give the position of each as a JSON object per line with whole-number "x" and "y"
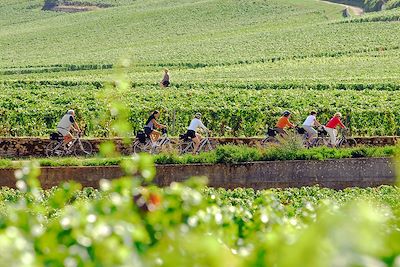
{"x": 310, "y": 121}
{"x": 196, "y": 123}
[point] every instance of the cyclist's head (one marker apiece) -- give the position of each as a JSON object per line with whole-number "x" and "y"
{"x": 313, "y": 113}
{"x": 156, "y": 113}
{"x": 286, "y": 113}
{"x": 338, "y": 114}
{"x": 166, "y": 70}
{"x": 71, "y": 112}
{"x": 197, "y": 115}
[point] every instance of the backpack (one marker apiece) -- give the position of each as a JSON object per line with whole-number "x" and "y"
{"x": 271, "y": 132}
{"x": 301, "y": 130}
{"x": 184, "y": 137}
{"x": 56, "y": 136}
{"x": 141, "y": 136}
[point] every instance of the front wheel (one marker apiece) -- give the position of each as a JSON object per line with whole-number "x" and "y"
{"x": 207, "y": 146}
{"x": 186, "y": 147}
{"x": 321, "y": 141}
{"x": 164, "y": 146}
{"x": 54, "y": 149}
{"x": 83, "y": 148}
{"x": 348, "y": 142}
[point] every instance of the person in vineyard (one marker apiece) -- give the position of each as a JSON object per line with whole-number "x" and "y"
{"x": 150, "y": 124}
{"x": 65, "y": 125}
{"x": 283, "y": 123}
{"x": 330, "y": 127}
{"x": 309, "y": 124}
{"x": 165, "y": 81}
{"x": 191, "y": 132}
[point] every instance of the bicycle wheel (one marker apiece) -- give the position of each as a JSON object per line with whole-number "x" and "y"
{"x": 139, "y": 147}
{"x": 207, "y": 146}
{"x": 348, "y": 142}
{"x": 165, "y": 145}
{"x": 54, "y": 149}
{"x": 269, "y": 140}
{"x": 83, "y": 148}
{"x": 186, "y": 147}
{"x": 320, "y": 142}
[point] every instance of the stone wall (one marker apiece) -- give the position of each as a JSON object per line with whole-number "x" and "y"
{"x": 35, "y": 147}
{"x": 337, "y": 174}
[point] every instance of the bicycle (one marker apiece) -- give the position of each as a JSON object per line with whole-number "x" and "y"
{"x": 186, "y": 144}
{"x": 143, "y": 143}
{"x": 342, "y": 141}
{"x": 78, "y": 147}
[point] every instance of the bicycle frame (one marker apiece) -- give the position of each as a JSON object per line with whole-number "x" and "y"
{"x": 203, "y": 142}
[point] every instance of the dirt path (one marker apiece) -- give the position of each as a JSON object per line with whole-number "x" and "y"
{"x": 354, "y": 10}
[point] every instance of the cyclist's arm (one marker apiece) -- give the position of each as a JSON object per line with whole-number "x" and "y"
{"x": 201, "y": 125}
{"x": 341, "y": 124}
{"x": 317, "y": 123}
{"x": 158, "y": 125}
{"x": 74, "y": 125}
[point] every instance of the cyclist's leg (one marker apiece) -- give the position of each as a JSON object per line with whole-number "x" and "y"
{"x": 67, "y": 136}
{"x": 196, "y": 140}
{"x": 332, "y": 136}
{"x": 312, "y": 133}
{"x": 281, "y": 131}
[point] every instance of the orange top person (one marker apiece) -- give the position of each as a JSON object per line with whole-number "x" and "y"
{"x": 283, "y": 122}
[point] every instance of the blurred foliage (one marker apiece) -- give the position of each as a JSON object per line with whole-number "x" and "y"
{"x": 126, "y": 223}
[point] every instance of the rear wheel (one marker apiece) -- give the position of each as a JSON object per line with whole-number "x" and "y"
{"x": 83, "y": 148}
{"x": 139, "y": 147}
{"x": 54, "y": 149}
{"x": 269, "y": 140}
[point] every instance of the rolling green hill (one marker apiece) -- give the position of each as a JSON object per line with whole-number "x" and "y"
{"x": 220, "y": 40}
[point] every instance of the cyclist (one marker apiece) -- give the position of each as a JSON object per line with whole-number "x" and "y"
{"x": 308, "y": 126}
{"x": 330, "y": 127}
{"x": 65, "y": 125}
{"x": 150, "y": 124}
{"x": 191, "y": 132}
{"x": 282, "y": 123}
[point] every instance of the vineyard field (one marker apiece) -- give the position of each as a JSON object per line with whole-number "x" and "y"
{"x": 149, "y": 225}
{"x": 34, "y": 109}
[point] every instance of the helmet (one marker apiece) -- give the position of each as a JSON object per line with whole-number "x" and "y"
{"x": 286, "y": 113}
{"x": 197, "y": 115}
{"x": 71, "y": 111}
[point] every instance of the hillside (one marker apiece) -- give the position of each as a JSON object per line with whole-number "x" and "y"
{"x": 238, "y": 41}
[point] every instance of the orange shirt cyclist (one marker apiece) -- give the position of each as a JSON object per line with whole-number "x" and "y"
{"x": 282, "y": 123}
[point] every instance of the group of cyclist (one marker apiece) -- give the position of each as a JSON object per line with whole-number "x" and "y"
{"x": 309, "y": 126}
{"x": 154, "y": 135}
{"x": 68, "y": 122}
